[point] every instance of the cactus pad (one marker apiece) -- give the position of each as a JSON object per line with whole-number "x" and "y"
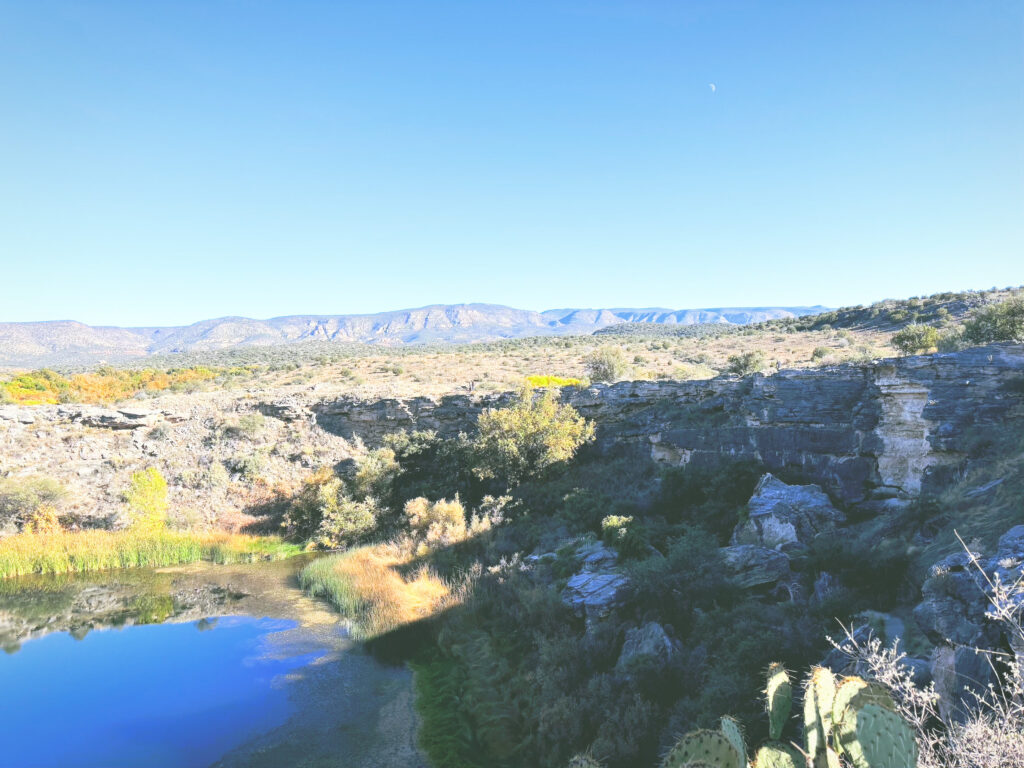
{"x": 779, "y": 694}
{"x": 854, "y": 692}
{"x": 819, "y": 695}
{"x": 873, "y": 736}
{"x": 778, "y": 755}
{"x": 711, "y": 747}
{"x": 734, "y": 735}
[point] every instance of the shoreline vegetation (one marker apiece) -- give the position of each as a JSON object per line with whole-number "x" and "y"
{"x": 96, "y": 550}
{"x": 366, "y": 586}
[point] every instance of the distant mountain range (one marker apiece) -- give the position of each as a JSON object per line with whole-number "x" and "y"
{"x": 65, "y": 342}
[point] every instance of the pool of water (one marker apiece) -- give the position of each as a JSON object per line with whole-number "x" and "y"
{"x": 188, "y": 668}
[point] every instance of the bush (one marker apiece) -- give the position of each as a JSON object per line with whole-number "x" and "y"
{"x": 747, "y": 363}
{"x": 917, "y": 338}
{"x": 248, "y": 466}
{"x": 440, "y": 523}
{"x": 606, "y": 364}
{"x": 376, "y": 473}
{"x": 820, "y": 353}
{"x": 427, "y": 465}
{"x": 146, "y": 497}
{"x": 323, "y": 514}
{"x": 625, "y": 534}
{"x": 997, "y": 322}
{"x": 345, "y": 521}
{"x": 531, "y": 435}
{"x": 21, "y": 497}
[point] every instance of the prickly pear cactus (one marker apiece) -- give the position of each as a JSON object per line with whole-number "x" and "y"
{"x": 873, "y": 736}
{"x": 734, "y": 735}
{"x": 819, "y": 694}
{"x": 778, "y": 755}
{"x": 779, "y": 694}
{"x": 855, "y": 692}
{"x": 711, "y": 747}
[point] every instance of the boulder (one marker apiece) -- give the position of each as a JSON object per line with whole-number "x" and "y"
{"x": 598, "y": 587}
{"x": 960, "y": 675}
{"x": 955, "y": 593}
{"x": 953, "y": 615}
{"x": 750, "y": 566}
{"x": 649, "y": 642}
{"x": 786, "y": 517}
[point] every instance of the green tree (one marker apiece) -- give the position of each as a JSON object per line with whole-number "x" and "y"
{"x": 532, "y": 434}
{"x": 997, "y": 322}
{"x": 916, "y": 338}
{"x": 747, "y": 362}
{"x": 606, "y": 364}
{"x": 146, "y": 497}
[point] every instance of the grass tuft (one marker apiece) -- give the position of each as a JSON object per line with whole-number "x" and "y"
{"x": 365, "y": 585}
{"x": 74, "y": 552}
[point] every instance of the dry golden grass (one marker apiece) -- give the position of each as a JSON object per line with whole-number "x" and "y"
{"x": 491, "y": 368}
{"x": 367, "y": 586}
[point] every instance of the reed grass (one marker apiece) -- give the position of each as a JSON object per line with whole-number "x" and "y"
{"x": 78, "y": 551}
{"x": 365, "y": 585}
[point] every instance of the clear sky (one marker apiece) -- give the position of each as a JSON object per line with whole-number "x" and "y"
{"x": 164, "y": 162}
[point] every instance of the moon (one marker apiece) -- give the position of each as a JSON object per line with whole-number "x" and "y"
{"x": 713, "y": 87}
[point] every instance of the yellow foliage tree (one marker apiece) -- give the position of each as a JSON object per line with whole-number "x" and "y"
{"x": 146, "y": 497}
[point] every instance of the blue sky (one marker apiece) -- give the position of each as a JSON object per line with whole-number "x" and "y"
{"x": 166, "y": 162}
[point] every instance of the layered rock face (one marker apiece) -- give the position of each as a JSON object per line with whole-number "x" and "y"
{"x": 870, "y": 436}
{"x": 874, "y": 434}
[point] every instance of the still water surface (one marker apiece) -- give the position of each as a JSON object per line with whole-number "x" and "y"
{"x": 194, "y": 667}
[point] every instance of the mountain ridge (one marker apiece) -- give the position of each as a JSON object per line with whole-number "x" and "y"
{"x": 55, "y": 342}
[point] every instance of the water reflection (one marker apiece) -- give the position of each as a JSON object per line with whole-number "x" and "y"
{"x": 197, "y": 666}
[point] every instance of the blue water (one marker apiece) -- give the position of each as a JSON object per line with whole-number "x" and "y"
{"x": 149, "y": 683}
{"x": 160, "y": 696}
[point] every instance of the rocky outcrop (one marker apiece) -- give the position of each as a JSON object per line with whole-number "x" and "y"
{"x": 874, "y": 435}
{"x": 599, "y": 586}
{"x": 748, "y": 566}
{"x": 953, "y": 615}
{"x": 649, "y": 643}
{"x": 786, "y": 517}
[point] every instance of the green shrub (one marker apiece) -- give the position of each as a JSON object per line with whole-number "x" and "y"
{"x": 997, "y": 322}
{"x": 529, "y": 436}
{"x": 916, "y": 338}
{"x": 21, "y": 497}
{"x": 249, "y": 466}
{"x": 747, "y": 363}
{"x": 606, "y": 364}
{"x": 820, "y": 353}
{"x": 323, "y": 515}
{"x": 376, "y": 474}
{"x": 427, "y": 465}
{"x": 625, "y": 534}
{"x": 345, "y": 521}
